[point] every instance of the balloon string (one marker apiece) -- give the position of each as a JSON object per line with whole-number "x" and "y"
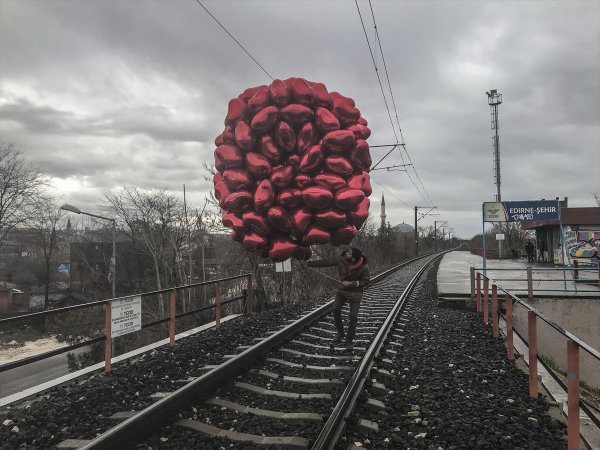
{"x": 321, "y": 273}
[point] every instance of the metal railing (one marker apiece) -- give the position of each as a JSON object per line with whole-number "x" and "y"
{"x": 573, "y": 346}
{"x": 574, "y": 278}
{"x": 107, "y": 305}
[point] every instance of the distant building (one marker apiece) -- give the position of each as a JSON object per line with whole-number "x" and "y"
{"x": 12, "y": 301}
{"x": 403, "y": 228}
{"x": 581, "y": 227}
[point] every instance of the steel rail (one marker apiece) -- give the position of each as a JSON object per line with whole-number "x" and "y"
{"x": 148, "y": 420}
{"x": 336, "y": 424}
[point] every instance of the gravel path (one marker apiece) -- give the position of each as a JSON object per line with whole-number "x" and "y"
{"x": 455, "y": 389}
{"x": 80, "y": 411}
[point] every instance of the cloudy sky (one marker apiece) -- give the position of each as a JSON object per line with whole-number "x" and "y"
{"x": 99, "y": 94}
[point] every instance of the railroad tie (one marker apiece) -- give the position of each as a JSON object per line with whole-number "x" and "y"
{"x": 301, "y": 417}
{"x": 277, "y": 376}
{"x": 295, "y": 443}
{"x": 283, "y": 394}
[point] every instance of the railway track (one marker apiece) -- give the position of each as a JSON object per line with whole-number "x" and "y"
{"x": 290, "y": 389}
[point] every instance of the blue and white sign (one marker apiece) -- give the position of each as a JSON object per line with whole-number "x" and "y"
{"x": 520, "y": 211}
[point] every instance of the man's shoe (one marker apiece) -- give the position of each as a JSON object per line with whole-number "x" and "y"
{"x": 349, "y": 346}
{"x": 338, "y": 338}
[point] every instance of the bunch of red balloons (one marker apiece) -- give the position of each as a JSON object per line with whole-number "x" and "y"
{"x": 292, "y": 169}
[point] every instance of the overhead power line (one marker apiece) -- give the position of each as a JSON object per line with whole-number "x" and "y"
{"x": 376, "y": 70}
{"x": 402, "y": 144}
{"x": 391, "y": 193}
{"x": 236, "y": 41}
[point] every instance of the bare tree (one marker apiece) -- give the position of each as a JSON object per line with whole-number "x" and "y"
{"x": 20, "y": 186}
{"x": 597, "y": 198}
{"x": 155, "y": 225}
{"x": 45, "y": 221}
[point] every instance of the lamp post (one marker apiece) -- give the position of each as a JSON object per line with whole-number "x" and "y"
{"x": 113, "y": 264}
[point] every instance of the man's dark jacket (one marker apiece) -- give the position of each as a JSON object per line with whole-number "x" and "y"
{"x": 360, "y": 274}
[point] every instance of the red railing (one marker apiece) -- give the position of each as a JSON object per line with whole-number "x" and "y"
{"x": 572, "y": 350}
{"x": 107, "y": 303}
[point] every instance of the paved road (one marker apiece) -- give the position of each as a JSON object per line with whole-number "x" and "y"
{"x": 24, "y": 377}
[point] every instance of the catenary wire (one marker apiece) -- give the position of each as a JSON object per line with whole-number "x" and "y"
{"x": 236, "y": 41}
{"x": 376, "y": 71}
{"x": 391, "y": 193}
{"x": 396, "y": 112}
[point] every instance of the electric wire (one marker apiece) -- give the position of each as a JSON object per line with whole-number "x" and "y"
{"x": 391, "y": 193}
{"x": 236, "y": 41}
{"x": 396, "y": 111}
{"x": 382, "y": 90}
{"x": 376, "y": 71}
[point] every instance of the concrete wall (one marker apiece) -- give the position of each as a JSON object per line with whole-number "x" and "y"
{"x": 581, "y": 317}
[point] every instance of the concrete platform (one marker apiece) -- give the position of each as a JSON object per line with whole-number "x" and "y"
{"x": 454, "y": 277}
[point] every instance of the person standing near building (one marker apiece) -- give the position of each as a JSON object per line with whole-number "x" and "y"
{"x": 353, "y": 271}
{"x": 529, "y": 249}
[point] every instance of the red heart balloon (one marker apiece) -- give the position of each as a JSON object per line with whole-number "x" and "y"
{"x": 281, "y": 248}
{"x": 339, "y": 141}
{"x": 331, "y": 218}
{"x": 228, "y": 157}
{"x": 280, "y": 219}
{"x": 316, "y": 234}
{"x": 301, "y": 219}
{"x": 289, "y": 198}
{"x": 331, "y": 181}
{"x": 256, "y": 222}
{"x": 233, "y": 221}
{"x": 264, "y": 196}
{"x": 317, "y": 197}
{"x": 292, "y": 168}
{"x": 344, "y": 235}
{"x": 347, "y": 198}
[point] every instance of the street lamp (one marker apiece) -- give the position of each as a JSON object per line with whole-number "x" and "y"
{"x": 113, "y": 261}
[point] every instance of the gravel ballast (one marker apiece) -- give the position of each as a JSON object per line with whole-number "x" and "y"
{"x": 451, "y": 388}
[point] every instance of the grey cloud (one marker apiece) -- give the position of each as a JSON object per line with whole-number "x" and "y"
{"x": 155, "y": 78}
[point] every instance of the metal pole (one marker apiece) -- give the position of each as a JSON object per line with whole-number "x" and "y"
{"x": 573, "y": 395}
{"x": 532, "y": 344}
{"x": 483, "y": 235}
{"x": 416, "y": 234}
{"x": 114, "y": 260}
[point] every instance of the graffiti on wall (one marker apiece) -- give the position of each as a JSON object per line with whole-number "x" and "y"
{"x": 583, "y": 243}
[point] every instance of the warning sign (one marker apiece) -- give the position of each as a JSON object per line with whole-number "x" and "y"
{"x": 126, "y": 316}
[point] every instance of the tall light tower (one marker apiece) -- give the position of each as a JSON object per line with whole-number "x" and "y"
{"x": 494, "y": 99}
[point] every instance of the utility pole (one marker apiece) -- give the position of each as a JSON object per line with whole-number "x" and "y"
{"x": 435, "y": 222}
{"x": 416, "y": 229}
{"x": 495, "y": 99}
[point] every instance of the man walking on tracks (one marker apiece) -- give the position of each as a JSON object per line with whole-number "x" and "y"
{"x": 354, "y": 275}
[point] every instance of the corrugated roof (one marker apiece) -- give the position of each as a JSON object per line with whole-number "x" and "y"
{"x": 569, "y": 216}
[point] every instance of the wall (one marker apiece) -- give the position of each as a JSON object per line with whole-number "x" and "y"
{"x": 581, "y": 317}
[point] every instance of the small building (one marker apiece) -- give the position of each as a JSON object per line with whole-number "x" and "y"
{"x": 581, "y": 228}
{"x": 12, "y": 301}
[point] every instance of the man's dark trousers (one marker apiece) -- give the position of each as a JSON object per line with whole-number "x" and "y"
{"x": 340, "y": 299}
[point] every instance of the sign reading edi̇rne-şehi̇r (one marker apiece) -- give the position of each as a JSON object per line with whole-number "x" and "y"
{"x": 520, "y": 211}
